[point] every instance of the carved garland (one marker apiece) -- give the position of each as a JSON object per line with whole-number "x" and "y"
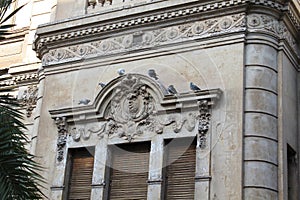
{"x": 132, "y": 113}
{"x": 259, "y": 22}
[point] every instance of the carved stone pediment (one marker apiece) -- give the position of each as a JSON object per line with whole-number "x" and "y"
{"x": 133, "y": 105}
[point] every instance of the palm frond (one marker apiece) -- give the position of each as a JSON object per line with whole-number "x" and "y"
{"x": 4, "y": 17}
{"x": 19, "y": 173}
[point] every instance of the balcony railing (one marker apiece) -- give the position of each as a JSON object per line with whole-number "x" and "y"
{"x": 95, "y": 5}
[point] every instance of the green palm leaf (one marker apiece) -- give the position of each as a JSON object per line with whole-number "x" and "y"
{"x": 19, "y": 177}
{"x": 4, "y": 6}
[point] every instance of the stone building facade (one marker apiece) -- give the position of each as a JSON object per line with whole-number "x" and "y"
{"x": 116, "y": 111}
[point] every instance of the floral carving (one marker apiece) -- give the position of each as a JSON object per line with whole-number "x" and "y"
{"x": 146, "y": 39}
{"x": 260, "y": 22}
{"x": 29, "y": 99}
{"x": 62, "y": 137}
{"x": 204, "y": 122}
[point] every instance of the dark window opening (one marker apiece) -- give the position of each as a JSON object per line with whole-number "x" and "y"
{"x": 292, "y": 173}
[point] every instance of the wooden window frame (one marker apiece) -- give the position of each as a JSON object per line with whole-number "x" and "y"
{"x": 193, "y": 142}
{"x": 69, "y": 167}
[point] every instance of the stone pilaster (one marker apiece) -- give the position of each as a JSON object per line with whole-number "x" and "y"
{"x": 260, "y": 119}
{"x": 155, "y": 169}
{"x": 100, "y": 159}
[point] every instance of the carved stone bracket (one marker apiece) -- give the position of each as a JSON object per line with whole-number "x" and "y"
{"x": 62, "y": 137}
{"x": 204, "y": 122}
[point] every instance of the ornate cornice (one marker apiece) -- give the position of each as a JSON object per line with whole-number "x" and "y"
{"x": 147, "y": 39}
{"x": 43, "y": 40}
{"x": 12, "y": 80}
{"x": 171, "y": 35}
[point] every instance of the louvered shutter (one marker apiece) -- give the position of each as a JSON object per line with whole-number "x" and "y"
{"x": 180, "y": 174}
{"x": 129, "y": 172}
{"x": 82, "y": 163}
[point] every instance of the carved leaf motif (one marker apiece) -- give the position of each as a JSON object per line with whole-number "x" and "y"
{"x": 29, "y": 99}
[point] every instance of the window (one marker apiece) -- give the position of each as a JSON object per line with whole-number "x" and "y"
{"x": 180, "y": 160}
{"x": 292, "y": 173}
{"x": 129, "y": 171}
{"x": 80, "y": 170}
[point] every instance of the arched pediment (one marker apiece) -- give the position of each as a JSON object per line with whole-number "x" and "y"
{"x": 132, "y": 105}
{"x": 130, "y": 96}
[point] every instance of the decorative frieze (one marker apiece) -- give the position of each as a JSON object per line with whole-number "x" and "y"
{"x": 170, "y": 35}
{"x": 147, "y": 39}
{"x": 43, "y": 41}
{"x": 261, "y": 22}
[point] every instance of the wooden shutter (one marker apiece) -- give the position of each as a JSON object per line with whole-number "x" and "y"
{"x": 180, "y": 172}
{"x": 82, "y": 163}
{"x": 129, "y": 172}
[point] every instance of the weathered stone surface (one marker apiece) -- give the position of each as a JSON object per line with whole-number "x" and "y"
{"x": 251, "y": 56}
{"x": 261, "y": 78}
{"x": 259, "y": 54}
{"x": 260, "y": 174}
{"x": 257, "y": 148}
{"x": 259, "y": 124}
{"x": 259, "y": 194}
{"x": 261, "y": 101}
